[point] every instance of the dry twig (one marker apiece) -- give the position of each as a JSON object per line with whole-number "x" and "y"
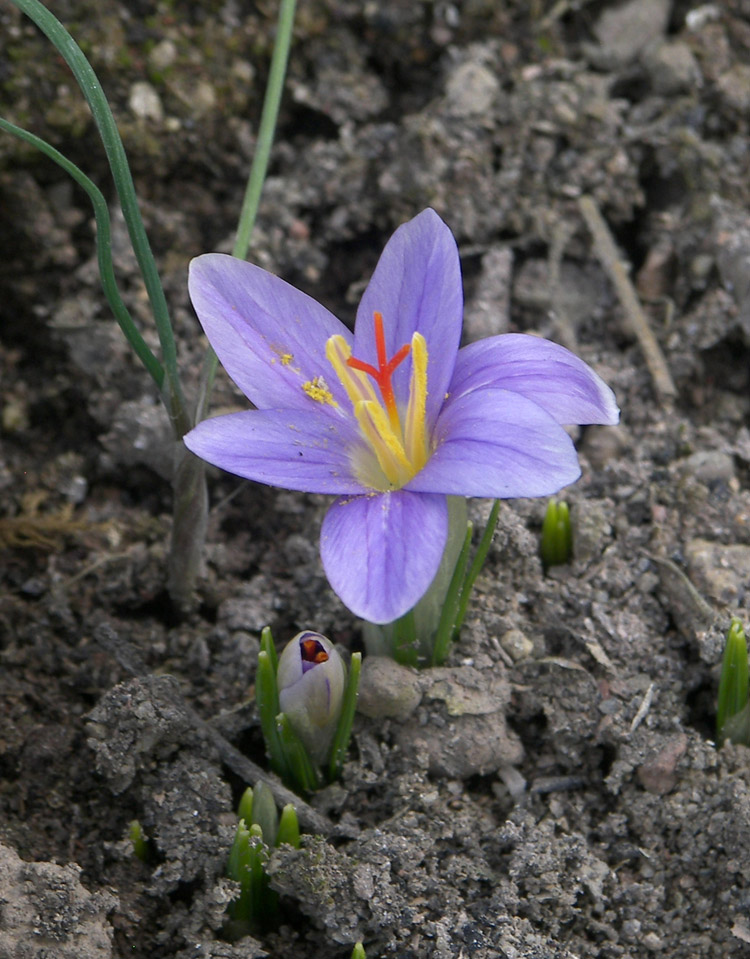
{"x": 609, "y": 258}
{"x": 246, "y": 769}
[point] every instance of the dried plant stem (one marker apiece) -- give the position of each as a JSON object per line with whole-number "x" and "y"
{"x": 609, "y": 258}
{"x": 129, "y": 659}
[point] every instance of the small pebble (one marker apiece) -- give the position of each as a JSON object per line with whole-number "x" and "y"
{"x": 145, "y": 102}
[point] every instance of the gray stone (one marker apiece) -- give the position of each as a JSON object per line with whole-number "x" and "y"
{"x": 46, "y": 912}
{"x": 387, "y": 689}
{"x": 145, "y": 102}
{"x": 673, "y": 69}
{"x": 625, "y": 31}
{"x": 719, "y": 571}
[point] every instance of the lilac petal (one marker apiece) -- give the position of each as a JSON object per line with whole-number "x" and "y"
{"x": 283, "y": 448}
{"x": 542, "y": 371}
{"x": 381, "y": 552}
{"x": 499, "y": 444}
{"x": 269, "y": 336}
{"x": 417, "y": 287}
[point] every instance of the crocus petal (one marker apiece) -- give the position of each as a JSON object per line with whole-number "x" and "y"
{"x": 269, "y": 336}
{"x": 499, "y": 444}
{"x": 545, "y": 372}
{"x": 417, "y": 288}
{"x": 381, "y": 552}
{"x": 283, "y": 448}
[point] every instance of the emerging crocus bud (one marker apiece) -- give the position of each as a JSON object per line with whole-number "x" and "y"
{"x": 311, "y": 679}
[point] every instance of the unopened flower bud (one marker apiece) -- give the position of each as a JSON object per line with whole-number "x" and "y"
{"x": 311, "y": 679}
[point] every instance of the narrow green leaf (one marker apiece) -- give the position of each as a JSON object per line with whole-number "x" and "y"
{"x": 245, "y": 808}
{"x": 556, "y": 543}
{"x": 238, "y": 868}
{"x": 476, "y": 565}
{"x": 303, "y": 775}
{"x": 139, "y": 841}
{"x": 733, "y": 682}
{"x": 340, "y": 745}
{"x": 288, "y": 831}
{"x": 265, "y": 813}
{"x": 358, "y": 952}
{"x": 267, "y": 700}
{"x": 92, "y": 90}
{"x": 446, "y": 630}
{"x": 405, "y": 649}
{"x": 268, "y": 646}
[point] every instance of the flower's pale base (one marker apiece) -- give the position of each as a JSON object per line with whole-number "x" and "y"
{"x": 410, "y": 639}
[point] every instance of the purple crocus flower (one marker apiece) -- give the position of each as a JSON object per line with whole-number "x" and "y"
{"x": 392, "y": 419}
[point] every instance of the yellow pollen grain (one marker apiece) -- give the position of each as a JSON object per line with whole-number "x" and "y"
{"x": 317, "y": 390}
{"x": 286, "y": 359}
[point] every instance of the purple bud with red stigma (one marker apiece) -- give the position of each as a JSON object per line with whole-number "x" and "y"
{"x": 311, "y": 680}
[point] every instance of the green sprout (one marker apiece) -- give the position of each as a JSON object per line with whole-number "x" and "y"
{"x": 358, "y": 952}
{"x": 141, "y": 847}
{"x": 306, "y": 704}
{"x": 556, "y": 546}
{"x": 732, "y": 705}
{"x": 260, "y": 828}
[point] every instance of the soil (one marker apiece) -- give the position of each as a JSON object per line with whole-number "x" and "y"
{"x": 554, "y": 790}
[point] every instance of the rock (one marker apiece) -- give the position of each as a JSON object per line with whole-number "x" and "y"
{"x": 47, "y": 912}
{"x": 657, "y": 775}
{"x": 466, "y": 734}
{"x": 140, "y": 435}
{"x": 516, "y": 644}
{"x": 468, "y": 746}
{"x": 592, "y": 530}
{"x": 733, "y": 88}
{"x": 673, "y": 69}
{"x": 721, "y": 572}
{"x": 387, "y": 689}
{"x": 470, "y": 90}
{"x": 710, "y": 466}
{"x": 145, "y": 102}
{"x": 251, "y": 609}
{"x": 626, "y": 30}
{"x": 163, "y": 55}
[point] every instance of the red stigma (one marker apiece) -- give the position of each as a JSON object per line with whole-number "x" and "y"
{"x": 382, "y": 375}
{"x": 313, "y": 651}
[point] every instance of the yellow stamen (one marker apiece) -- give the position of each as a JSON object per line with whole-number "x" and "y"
{"x": 396, "y": 442}
{"x": 373, "y": 421}
{"x": 356, "y": 384}
{"x": 415, "y": 437}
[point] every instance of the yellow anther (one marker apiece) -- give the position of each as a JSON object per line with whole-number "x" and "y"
{"x": 317, "y": 390}
{"x": 415, "y": 438}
